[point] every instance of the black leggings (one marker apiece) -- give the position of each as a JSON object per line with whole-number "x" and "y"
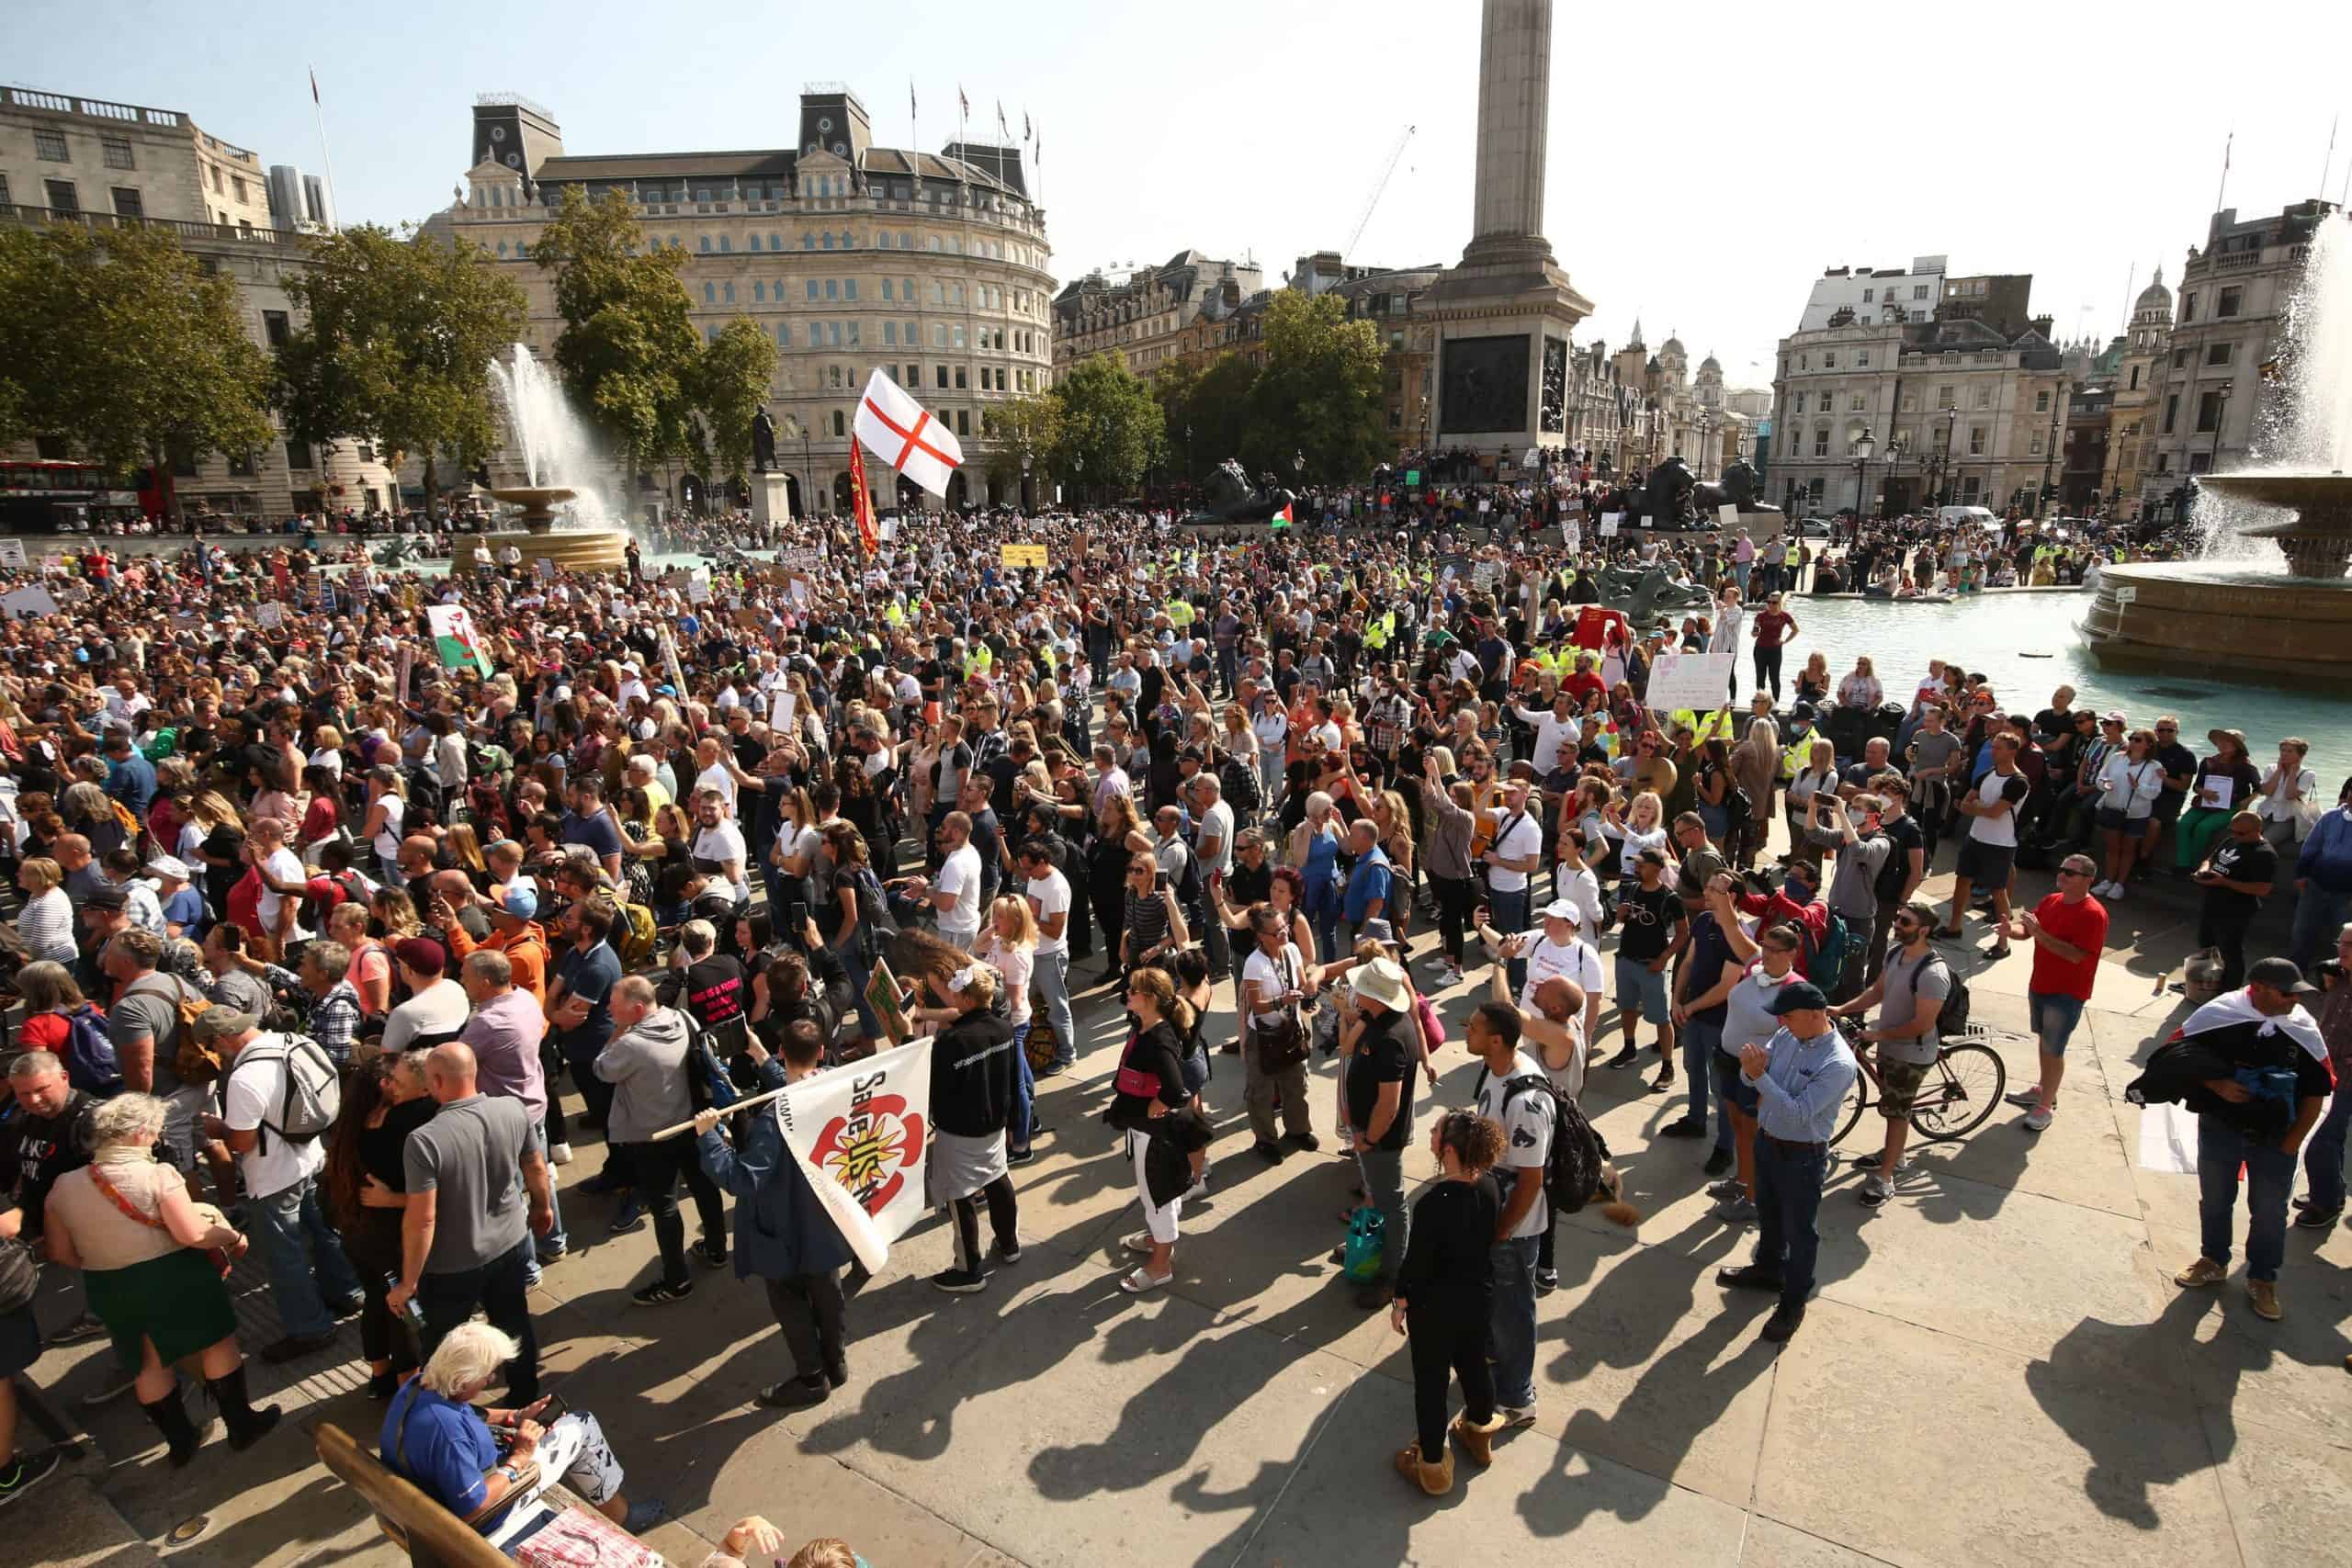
{"x": 1005, "y": 1219}
{"x": 1447, "y": 1343}
{"x": 1456, "y": 902}
{"x": 658, "y": 1166}
{"x": 1768, "y": 667}
{"x": 373, "y": 1247}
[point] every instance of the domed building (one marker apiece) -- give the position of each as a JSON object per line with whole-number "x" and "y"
{"x": 2141, "y": 366}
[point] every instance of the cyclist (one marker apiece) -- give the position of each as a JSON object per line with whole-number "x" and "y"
{"x": 1909, "y": 992}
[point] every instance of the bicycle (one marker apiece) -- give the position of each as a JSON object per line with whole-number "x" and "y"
{"x": 1954, "y": 1099}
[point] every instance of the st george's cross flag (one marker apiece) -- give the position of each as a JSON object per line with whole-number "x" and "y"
{"x": 899, "y": 430}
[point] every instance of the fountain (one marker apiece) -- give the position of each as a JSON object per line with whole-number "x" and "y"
{"x": 556, "y": 459}
{"x": 2232, "y": 611}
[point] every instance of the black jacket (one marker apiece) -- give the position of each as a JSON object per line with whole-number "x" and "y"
{"x": 973, "y": 1075}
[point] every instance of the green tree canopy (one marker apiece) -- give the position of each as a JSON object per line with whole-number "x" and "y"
{"x": 627, "y": 351}
{"x": 120, "y": 343}
{"x": 396, "y": 346}
{"x": 730, "y": 382}
{"x": 1110, "y": 429}
{"x": 1318, "y": 396}
{"x": 1218, "y": 414}
{"x": 1028, "y": 426}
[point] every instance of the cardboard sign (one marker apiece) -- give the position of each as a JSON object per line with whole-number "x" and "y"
{"x": 1695, "y": 680}
{"x": 27, "y": 604}
{"x": 272, "y": 614}
{"x": 12, "y": 554}
{"x": 1608, "y": 523}
{"x": 800, "y": 560}
{"x": 1024, "y": 554}
{"x": 1727, "y": 514}
{"x": 699, "y": 585}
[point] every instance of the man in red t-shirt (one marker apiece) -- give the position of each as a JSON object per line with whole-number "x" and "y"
{"x": 2067, "y": 928}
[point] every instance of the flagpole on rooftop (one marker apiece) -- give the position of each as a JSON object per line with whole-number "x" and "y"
{"x": 325, "y": 157}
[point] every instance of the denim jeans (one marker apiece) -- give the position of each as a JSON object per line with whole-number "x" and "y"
{"x": 1384, "y": 1188}
{"x": 498, "y": 1288}
{"x": 2269, "y": 1178}
{"x": 2318, "y": 915}
{"x": 1512, "y": 1339}
{"x": 306, "y": 1268}
{"x": 1022, "y": 1127}
{"x": 1052, "y": 975}
{"x": 1788, "y": 1202}
{"x": 1701, "y": 1040}
{"x": 1506, "y": 912}
{"x": 2324, "y": 1154}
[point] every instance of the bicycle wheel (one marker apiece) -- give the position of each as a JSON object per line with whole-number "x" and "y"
{"x": 1858, "y": 1100}
{"x": 1967, "y": 1088}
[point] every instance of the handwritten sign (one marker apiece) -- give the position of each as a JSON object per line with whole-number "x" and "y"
{"x": 27, "y": 604}
{"x": 1694, "y": 681}
{"x": 1609, "y": 521}
{"x": 800, "y": 560}
{"x": 699, "y": 585}
{"x": 1727, "y": 514}
{"x": 12, "y": 554}
{"x": 1024, "y": 554}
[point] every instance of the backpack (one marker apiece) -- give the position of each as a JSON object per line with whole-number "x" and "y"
{"x": 19, "y": 1275}
{"x": 1240, "y": 782}
{"x": 1826, "y": 960}
{"x": 342, "y": 887}
{"x": 1952, "y": 1018}
{"x": 875, "y": 924}
{"x": 1888, "y": 884}
{"x": 1572, "y": 1170}
{"x": 709, "y": 1085}
{"x": 192, "y": 1004}
{"x": 90, "y": 1064}
{"x": 633, "y": 935}
{"x": 313, "y": 1091}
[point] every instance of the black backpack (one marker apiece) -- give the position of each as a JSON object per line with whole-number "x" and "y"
{"x": 1888, "y": 884}
{"x": 1952, "y": 1020}
{"x": 1571, "y": 1171}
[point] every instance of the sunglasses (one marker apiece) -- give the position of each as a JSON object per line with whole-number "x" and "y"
{"x": 2070, "y": 871}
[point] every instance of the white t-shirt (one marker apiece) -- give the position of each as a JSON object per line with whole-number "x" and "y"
{"x": 1729, "y": 619}
{"x": 1999, "y": 830}
{"x": 439, "y": 1009}
{"x": 723, "y": 844}
{"x": 1049, "y": 896}
{"x": 1272, "y": 729}
{"x": 1526, "y": 1121}
{"x": 1272, "y": 976}
{"x": 286, "y": 866}
{"x": 960, "y": 875}
{"x": 1582, "y": 888}
{"x": 1576, "y": 958}
{"x": 716, "y": 777}
{"x": 1216, "y": 823}
{"x": 1520, "y": 839}
{"x": 258, "y": 1090}
{"x": 388, "y": 837}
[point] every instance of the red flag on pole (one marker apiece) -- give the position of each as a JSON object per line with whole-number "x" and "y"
{"x": 861, "y": 504}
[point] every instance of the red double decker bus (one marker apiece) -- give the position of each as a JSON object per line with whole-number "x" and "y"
{"x": 48, "y": 495}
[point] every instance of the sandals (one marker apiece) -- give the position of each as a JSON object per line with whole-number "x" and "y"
{"x": 1141, "y": 1242}
{"x": 1136, "y": 1282}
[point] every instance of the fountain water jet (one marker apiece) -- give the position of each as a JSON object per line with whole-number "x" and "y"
{"x": 558, "y": 460}
{"x": 2201, "y": 617}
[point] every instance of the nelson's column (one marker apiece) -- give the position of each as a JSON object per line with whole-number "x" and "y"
{"x": 1504, "y": 313}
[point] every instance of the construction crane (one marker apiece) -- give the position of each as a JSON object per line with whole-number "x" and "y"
{"x": 1381, "y": 185}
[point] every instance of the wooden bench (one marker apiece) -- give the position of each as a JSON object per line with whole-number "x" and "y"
{"x": 431, "y": 1535}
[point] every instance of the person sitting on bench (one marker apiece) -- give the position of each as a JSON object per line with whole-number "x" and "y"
{"x": 488, "y": 1466}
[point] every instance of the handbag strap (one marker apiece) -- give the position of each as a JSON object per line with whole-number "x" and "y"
{"x": 113, "y": 1195}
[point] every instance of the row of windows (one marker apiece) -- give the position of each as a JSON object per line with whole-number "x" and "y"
{"x": 51, "y": 147}
{"x": 2228, "y": 302}
{"x": 883, "y": 240}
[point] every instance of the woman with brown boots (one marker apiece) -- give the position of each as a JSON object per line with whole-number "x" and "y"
{"x": 1444, "y": 1300}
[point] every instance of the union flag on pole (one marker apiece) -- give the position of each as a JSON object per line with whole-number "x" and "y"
{"x": 861, "y": 503}
{"x": 901, "y": 432}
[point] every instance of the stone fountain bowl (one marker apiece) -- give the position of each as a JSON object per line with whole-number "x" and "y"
{"x": 2318, "y": 539}
{"x": 537, "y": 502}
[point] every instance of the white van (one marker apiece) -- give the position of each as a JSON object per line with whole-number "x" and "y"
{"x": 1960, "y": 516}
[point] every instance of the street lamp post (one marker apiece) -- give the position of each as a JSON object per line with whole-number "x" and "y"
{"x": 1943, "y": 469}
{"x": 1862, "y": 447}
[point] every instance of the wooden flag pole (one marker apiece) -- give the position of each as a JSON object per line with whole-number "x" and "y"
{"x": 746, "y": 1103}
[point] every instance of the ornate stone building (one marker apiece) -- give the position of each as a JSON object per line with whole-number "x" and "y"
{"x": 1143, "y": 318}
{"x": 850, "y": 255}
{"x": 2139, "y": 369}
{"x": 100, "y": 164}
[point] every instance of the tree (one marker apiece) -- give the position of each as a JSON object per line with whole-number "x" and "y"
{"x": 627, "y": 351}
{"x": 1027, "y": 426}
{"x": 119, "y": 344}
{"x": 1172, "y": 386}
{"x": 1218, "y": 417}
{"x": 1319, "y": 397}
{"x": 396, "y": 346}
{"x": 730, "y": 382}
{"x": 1109, "y": 428}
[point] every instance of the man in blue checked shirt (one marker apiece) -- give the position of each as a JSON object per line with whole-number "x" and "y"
{"x": 1801, "y": 1076}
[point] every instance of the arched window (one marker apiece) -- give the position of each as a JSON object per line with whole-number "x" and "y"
{"x": 726, "y": 244}
{"x": 727, "y": 292}
{"x": 759, "y": 291}
{"x": 828, "y": 239}
{"x": 710, "y": 294}
{"x": 776, "y": 241}
{"x": 501, "y": 247}
{"x": 702, "y": 243}
{"x": 783, "y": 335}
{"x": 845, "y": 241}
{"x": 751, "y": 241}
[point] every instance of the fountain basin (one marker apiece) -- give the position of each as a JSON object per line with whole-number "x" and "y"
{"x": 572, "y": 549}
{"x": 2181, "y": 618}
{"x": 2317, "y": 540}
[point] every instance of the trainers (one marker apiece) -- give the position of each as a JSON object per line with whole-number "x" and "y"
{"x": 630, "y": 1218}
{"x": 1546, "y": 1282}
{"x": 1876, "y": 1189}
{"x": 1686, "y": 1128}
{"x": 2319, "y": 1219}
{"x": 2115, "y": 890}
{"x": 1661, "y": 1083}
{"x": 1737, "y": 1212}
{"x": 1726, "y": 1190}
{"x": 2264, "y": 1294}
{"x": 959, "y": 1281}
{"x": 1271, "y": 1152}
{"x": 559, "y": 1154}
{"x": 27, "y": 1471}
{"x": 2024, "y": 1099}
{"x": 1019, "y": 1157}
{"x": 1515, "y": 1417}
{"x": 1009, "y": 1254}
{"x": 1306, "y": 1140}
{"x": 1718, "y": 1162}
{"x": 1624, "y": 1058}
{"x": 2204, "y": 1271}
{"x": 86, "y": 1326}
{"x": 712, "y": 1250}
{"x": 795, "y": 1394}
{"x": 294, "y": 1346}
{"x": 660, "y": 1292}
{"x": 2038, "y": 1120}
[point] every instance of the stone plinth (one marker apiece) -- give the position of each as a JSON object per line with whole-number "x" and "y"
{"x": 771, "y": 498}
{"x": 2189, "y": 620}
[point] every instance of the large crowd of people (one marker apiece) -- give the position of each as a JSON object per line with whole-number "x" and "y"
{"x": 329, "y": 949}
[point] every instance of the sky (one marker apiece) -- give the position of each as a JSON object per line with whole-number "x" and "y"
{"x": 1700, "y": 173}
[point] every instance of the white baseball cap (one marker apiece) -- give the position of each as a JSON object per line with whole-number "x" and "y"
{"x": 1564, "y": 909}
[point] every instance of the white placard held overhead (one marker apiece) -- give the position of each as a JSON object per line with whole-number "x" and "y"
{"x": 699, "y": 585}
{"x": 1698, "y": 681}
{"x": 27, "y": 604}
{"x": 1609, "y": 521}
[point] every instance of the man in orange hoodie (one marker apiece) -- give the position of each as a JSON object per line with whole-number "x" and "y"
{"x": 514, "y": 930}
